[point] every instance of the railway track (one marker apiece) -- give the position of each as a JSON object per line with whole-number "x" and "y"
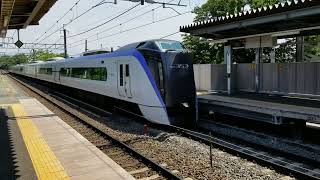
{"x": 281, "y": 161}
{"x": 305, "y": 152}
{"x": 137, "y": 164}
{"x": 265, "y": 157}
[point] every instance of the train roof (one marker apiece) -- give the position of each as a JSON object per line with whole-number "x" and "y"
{"x": 55, "y": 59}
{"x": 129, "y": 49}
{"x": 151, "y": 44}
{"x": 92, "y": 57}
{"x": 94, "y": 52}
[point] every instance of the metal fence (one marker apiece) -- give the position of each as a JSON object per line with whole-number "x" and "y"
{"x": 279, "y": 78}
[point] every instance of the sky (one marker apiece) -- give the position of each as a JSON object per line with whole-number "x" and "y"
{"x": 114, "y": 33}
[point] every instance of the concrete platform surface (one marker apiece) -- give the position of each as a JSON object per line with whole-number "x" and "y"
{"x": 279, "y": 106}
{"x": 39, "y": 145}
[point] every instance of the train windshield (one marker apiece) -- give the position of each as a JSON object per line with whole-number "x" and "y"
{"x": 170, "y": 45}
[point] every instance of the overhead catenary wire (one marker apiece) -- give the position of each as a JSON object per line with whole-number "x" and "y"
{"x": 137, "y": 27}
{"x": 9, "y": 40}
{"x": 54, "y": 43}
{"x": 91, "y": 29}
{"x": 73, "y": 19}
{"x": 98, "y": 4}
{"x": 131, "y": 12}
{"x": 76, "y": 3}
{"x": 171, "y": 34}
{"x": 85, "y": 12}
{"x": 108, "y": 29}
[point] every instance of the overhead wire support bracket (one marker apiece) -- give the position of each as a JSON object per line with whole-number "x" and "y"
{"x": 105, "y": 2}
{"x": 157, "y": 2}
{"x": 170, "y": 4}
{"x": 164, "y": 6}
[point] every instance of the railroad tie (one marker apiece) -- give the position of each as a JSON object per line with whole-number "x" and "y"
{"x": 139, "y": 171}
{"x": 151, "y": 177}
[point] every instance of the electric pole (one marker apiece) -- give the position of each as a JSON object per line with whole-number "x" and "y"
{"x": 65, "y": 42}
{"x": 86, "y": 46}
{"x": 33, "y": 55}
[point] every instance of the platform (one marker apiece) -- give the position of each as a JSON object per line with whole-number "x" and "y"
{"x": 268, "y": 108}
{"x": 37, "y": 144}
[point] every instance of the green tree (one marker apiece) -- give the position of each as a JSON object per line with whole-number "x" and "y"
{"x": 43, "y": 55}
{"x": 261, "y": 3}
{"x": 202, "y": 50}
{"x": 40, "y": 55}
{"x": 6, "y": 61}
{"x": 216, "y": 8}
{"x": 312, "y": 47}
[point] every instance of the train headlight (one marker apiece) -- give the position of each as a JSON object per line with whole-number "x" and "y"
{"x": 185, "y": 105}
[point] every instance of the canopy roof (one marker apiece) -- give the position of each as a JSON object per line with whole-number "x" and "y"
{"x": 18, "y": 14}
{"x": 290, "y": 18}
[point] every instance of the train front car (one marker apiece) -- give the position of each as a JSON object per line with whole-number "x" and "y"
{"x": 172, "y": 69}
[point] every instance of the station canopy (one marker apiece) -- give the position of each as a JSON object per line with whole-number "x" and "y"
{"x": 292, "y": 18}
{"x": 18, "y": 14}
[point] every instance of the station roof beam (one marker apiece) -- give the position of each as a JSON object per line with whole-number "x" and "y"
{"x": 18, "y": 14}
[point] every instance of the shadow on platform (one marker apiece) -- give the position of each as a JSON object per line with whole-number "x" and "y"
{"x": 8, "y": 167}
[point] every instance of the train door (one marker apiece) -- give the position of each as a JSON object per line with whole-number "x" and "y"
{"x": 124, "y": 79}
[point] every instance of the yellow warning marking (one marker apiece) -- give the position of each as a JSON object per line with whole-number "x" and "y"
{"x": 5, "y": 105}
{"x": 45, "y": 163}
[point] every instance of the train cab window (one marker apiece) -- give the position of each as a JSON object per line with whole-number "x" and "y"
{"x": 155, "y": 65}
{"x": 165, "y": 45}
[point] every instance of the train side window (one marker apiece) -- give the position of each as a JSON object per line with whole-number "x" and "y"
{"x": 77, "y": 72}
{"x": 103, "y": 74}
{"x": 121, "y": 75}
{"x": 161, "y": 85}
{"x": 68, "y": 72}
{"x": 63, "y": 72}
{"x": 86, "y": 74}
{"x": 99, "y": 73}
{"x": 49, "y": 71}
{"x": 127, "y": 70}
{"x": 41, "y": 70}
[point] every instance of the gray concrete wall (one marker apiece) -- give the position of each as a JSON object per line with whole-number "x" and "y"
{"x": 281, "y": 78}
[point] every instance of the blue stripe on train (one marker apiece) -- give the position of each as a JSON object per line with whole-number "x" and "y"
{"x": 138, "y": 56}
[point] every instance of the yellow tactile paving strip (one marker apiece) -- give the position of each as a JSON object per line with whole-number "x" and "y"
{"x": 45, "y": 163}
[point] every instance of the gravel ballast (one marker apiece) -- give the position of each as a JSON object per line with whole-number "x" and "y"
{"x": 188, "y": 158}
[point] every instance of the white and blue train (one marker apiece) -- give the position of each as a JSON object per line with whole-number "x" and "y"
{"x": 153, "y": 79}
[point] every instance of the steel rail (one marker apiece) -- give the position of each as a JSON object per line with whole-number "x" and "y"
{"x": 262, "y": 156}
{"x": 154, "y": 165}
